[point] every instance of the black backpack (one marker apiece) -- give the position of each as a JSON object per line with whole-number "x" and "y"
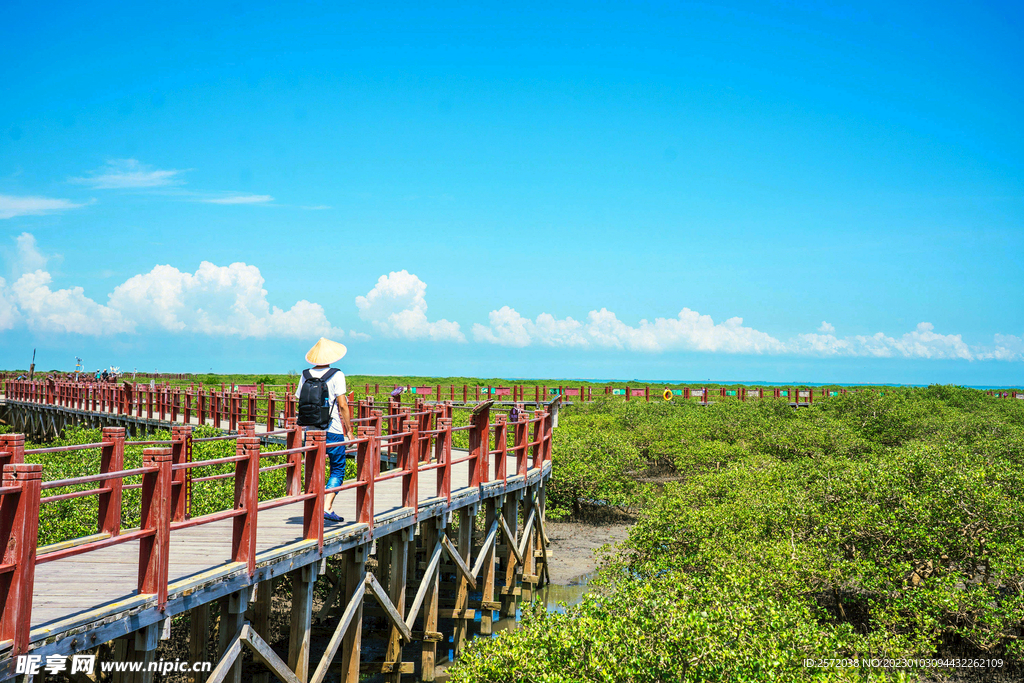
{"x": 315, "y": 403}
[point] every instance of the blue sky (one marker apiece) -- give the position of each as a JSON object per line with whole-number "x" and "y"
{"x": 760, "y": 191}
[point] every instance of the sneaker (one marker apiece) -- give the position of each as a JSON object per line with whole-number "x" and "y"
{"x": 333, "y": 517}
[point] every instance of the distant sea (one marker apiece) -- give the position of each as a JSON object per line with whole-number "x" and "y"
{"x": 752, "y": 383}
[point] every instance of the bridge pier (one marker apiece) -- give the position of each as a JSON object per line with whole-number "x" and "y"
{"x": 303, "y": 581}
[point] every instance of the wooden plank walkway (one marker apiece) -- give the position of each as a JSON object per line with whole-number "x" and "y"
{"x": 71, "y": 594}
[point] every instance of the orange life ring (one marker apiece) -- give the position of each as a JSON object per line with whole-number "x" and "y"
{"x": 667, "y": 395}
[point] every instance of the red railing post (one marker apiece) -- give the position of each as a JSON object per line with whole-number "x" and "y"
{"x": 411, "y": 462}
{"x": 111, "y": 460}
{"x": 270, "y": 411}
{"x": 549, "y": 429}
{"x": 12, "y": 449}
{"x": 538, "y": 437}
{"x": 313, "y": 508}
{"x": 156, "y": 517}
{"x": 367, "y": 467}
{"x": 181, "y": 480}
{"x": 19, "y": 535}
{"x": 500, "y": 445}
{"x": 522, "y": 439}
{"x": 188, "y": 408}
{"x": 293, "y": 439}
{"x": 479, "y": 446}
{"x": 444, "y": 456}
{"x": 247, "y": 484}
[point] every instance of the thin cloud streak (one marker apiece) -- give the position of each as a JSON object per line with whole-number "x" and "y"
{"x": 125, "y": 174}
{"x": 12, "y": 206}
{"x": 241, "y": 199}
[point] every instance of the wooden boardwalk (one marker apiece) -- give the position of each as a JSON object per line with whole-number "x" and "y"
{"x": 76, "y": 592}
{"x": 124, "y": 585}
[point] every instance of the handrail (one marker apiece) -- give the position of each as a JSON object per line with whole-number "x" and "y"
{"x": 120, "y": 474}
{"x": 417, "y": 441}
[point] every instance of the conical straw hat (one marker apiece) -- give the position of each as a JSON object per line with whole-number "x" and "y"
{"x": 325, "y": 352}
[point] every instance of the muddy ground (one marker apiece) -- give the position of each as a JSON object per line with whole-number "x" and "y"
{"x": 574, "y": 547}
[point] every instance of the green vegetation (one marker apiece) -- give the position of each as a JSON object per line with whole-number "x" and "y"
{"x": 77, "y": 517}
{"x": 868, "y": 526}
{"x": 871, "y": 525}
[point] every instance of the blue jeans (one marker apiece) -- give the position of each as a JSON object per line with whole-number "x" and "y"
{"x": 336, "y": 457}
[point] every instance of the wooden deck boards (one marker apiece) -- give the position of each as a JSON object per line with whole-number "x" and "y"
{"x": 73, "y": 586}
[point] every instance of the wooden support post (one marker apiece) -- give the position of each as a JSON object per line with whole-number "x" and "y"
{"x": 303, "y": 580}
{"x": 508, "y": 599}
{"x": 199, "y": 638}
{"x": 398, "y": 560}
{"x": 487, "y": 579}
{"x": 261, "y": 619}
{"x": 428, "y": 646}
{"x": 529, "y": 557}
{"x": 145, "y": 651}
{"x": 231, "y": 623}
{"x": 467, "y": 517}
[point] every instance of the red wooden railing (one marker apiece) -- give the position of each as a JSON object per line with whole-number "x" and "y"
{"x": 419, "y": 441}
{"x": 233, "y": 404}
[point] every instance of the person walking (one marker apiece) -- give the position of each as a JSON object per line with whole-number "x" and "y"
{"x": 322, "y": 404}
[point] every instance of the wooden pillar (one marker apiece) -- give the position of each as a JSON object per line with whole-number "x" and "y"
{"x": 198, "y": 639}
{"x": 145, "y": 651}
{"x": 487, "y": 603}
{"x": 399, "y": 561}
{"x": 428, "y": 646}
{"x": 508, "y": 597}
{"x": 262, "y": 609}
{"x": 529, "y": 558}
{"x": 355, "y": 575}
{"x": 303, "y": 580}
{"x": 467, "y": 516}
{"x": 231, "y": 622}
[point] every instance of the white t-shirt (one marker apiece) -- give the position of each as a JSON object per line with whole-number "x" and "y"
{"x": 336, "y": 388}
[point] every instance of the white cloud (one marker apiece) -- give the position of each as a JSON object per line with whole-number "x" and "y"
{"x": 120, "y": 174}
{"x": 358, "y": 336}
{"x": 691, "y": 331}
{"x": 11, "y": 206}
{"x": 242, "y": 199}
{"x": 64, "y": 310}
{"x": 397, "y": 307}
{"x": 9, "y": 315}
{"x": 923, "y": 342}
{"x": 688, "y": 331}
{"x": 1007, "y": 347}
{"x": 27, "y": 258}
{"x": 215, "y": 300}
{"x": 509, "y": 328}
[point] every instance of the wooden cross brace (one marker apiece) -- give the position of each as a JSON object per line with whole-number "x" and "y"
{"x": 260, "y": 650}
